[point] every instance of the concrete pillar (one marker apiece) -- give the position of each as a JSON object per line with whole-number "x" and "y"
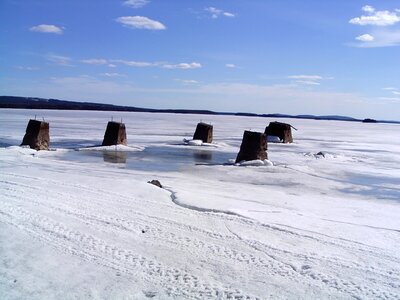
{"x": 281, "y": 130}
{"x": 204, "y": 132}
{"x": 115, "y": 134}
{"x": 37, "y": 135}
{"x": 254, "y": 146}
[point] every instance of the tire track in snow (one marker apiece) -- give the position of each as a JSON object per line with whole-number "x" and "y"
{"x": 176, "y": 282}
{"x": 271, "y": 261}
{"x": 334, "y": 281}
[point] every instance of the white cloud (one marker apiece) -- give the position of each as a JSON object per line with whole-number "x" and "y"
{"x": 185, "y": 66}
{"x": 187, "y": 81}
{"x": 95, "y": 61}
{"x": 132, "y": 63}
{"x": 365, "y": 38}
{"x": 59, "y": 60}
{"x": 368, "y": 9}
{"x": 23, "y": 68}
{"x": 45, "y": 28}
{"x": 136, "y": 3}
{"x": 394, "y": 99}
{"x": 165, "y": 65}
{"x": 215, "y": 12}
{"x": 308, "y": 79}
{"x": 393, "y": 91}
{"x": 228, "y": 14}
{"x": 308, "y": 82}
{"x": 377, "y": 18}
{"x": 382, "y": 38}
{"x": 232, "y": 66}
{"x": 112, "y": 74}
{"x": 139, "y": 22}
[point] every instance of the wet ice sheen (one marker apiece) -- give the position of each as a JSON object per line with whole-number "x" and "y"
{"x": 154, "y": 158}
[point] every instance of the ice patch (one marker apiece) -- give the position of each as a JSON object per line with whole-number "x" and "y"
{"x": 26, "y": 150}
{"x": 256, "y": 163}
{"x": 200, "y": 143}
{"x": 195, "y": 142}
{"x": 122, "y": 148}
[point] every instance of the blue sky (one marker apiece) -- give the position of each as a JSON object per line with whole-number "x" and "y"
{"x": 262, "y": 56}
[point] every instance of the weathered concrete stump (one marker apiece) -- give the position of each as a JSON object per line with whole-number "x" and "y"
{"x": 115, "y": 134}
{"x": 281, "y": 130}
{"x": 37, "y": 135}
{"x": 204, "y": 132}
{"x": 254, "y": 146}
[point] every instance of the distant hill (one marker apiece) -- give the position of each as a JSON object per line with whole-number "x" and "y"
{"x": 41, "y": 103}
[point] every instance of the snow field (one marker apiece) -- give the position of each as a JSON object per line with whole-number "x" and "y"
{"x": 306, "y": 227}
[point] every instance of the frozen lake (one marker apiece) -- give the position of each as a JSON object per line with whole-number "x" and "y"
{"x": 153, "y": 158}
{"x": 309, "y": 226}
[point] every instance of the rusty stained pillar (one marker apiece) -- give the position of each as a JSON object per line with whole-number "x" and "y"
{"x": 203, "y": 132}
{"x": 37, "y": 135}
{"x": 115, "y": 134}
{"x": 253, "y": 147}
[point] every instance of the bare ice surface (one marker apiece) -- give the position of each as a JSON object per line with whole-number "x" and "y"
{"x": 321, "y": 221}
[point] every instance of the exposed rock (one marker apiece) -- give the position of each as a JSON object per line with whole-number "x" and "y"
{"x": 115, "y": 134}
{"x": 37, "y": 135}
{"x": 155, "y": 182}
{"x": 281, "y": 130}
{"x": 203, "y": 132}
{"x": 253, "y": 147}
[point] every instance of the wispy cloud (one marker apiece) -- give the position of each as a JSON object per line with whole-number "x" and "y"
{"x": 393, "y": 94}
{"x": 112, "y": 74}
{"x": 24, "y": 68}
{"x": 132, "y": 63}
{"x": 308, "y": 79}
{"x": 308, "y": 82}
{"x": 392, "y": 90}
{"x": 136, "y": 3}
{"x": 232, "y": 66}
{"x": 46, "y": 28}
{"x": 193, "y": 65}
{"x": 59, "y": 60}
{"x": 95, "y": 61}
{"x": 393, "y": 99}
{"x": 377, "y": 18}
{"x": 215, "y": 12}
{"x": 139, "y": 22}
{"x": 187, "y": 81}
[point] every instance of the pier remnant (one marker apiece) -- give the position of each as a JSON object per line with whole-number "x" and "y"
{"x": 115, "y": 134}
{"x": 253, "y": 147}
{"x": 281, "y": 130}
{"x": 37, "y": 135}
{"x": 203, "y": 132}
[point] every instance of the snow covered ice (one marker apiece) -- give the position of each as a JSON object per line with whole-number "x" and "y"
{"x": 74, "y": 225}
